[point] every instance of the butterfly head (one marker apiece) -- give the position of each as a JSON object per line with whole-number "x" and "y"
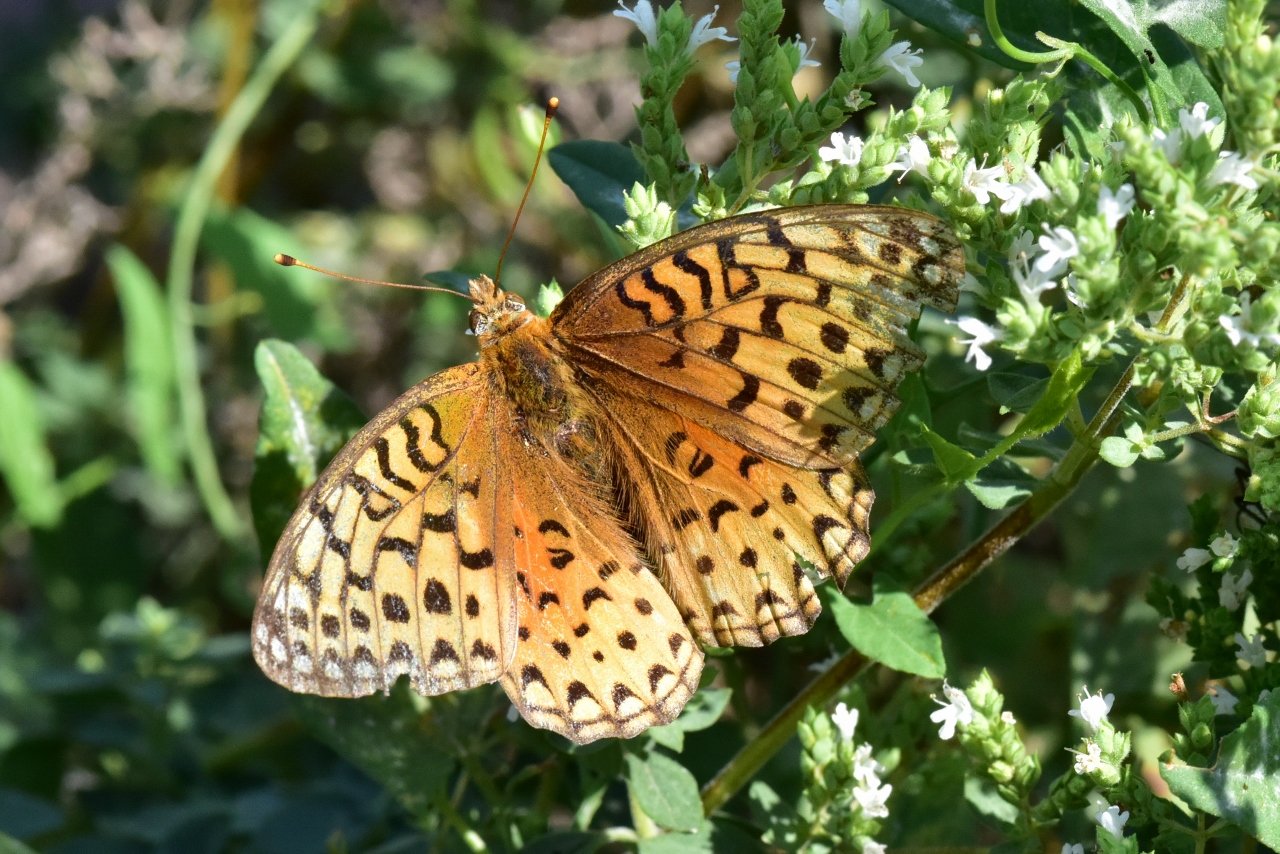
{"x": 496, "y": 311}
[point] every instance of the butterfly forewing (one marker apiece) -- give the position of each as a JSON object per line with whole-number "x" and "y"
{"x": 398, "y": 562}
{"x": 786, "y": 331}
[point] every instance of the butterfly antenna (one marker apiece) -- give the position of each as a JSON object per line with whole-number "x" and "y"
{"x": 289, "y": 261}
{"x": 552, "y": 105}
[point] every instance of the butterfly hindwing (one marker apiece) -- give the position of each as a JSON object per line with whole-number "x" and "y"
{"x": 602, "y": 649}
{"x": 729, "y": 527}
{"x": 398, "y": 561}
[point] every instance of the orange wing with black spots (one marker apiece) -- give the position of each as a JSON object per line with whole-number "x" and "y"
{"x": 785, "y": 331}
{"x": 742, "y": 366}
{"x": 602, "y": 650}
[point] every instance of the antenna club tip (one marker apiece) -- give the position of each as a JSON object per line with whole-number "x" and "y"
{"x": 553, "y": 104}
{"x": 285, "y": 260}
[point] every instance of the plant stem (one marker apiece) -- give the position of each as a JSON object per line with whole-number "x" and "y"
{"x": 191, "y": 217}
{"x": 944, "y": 582}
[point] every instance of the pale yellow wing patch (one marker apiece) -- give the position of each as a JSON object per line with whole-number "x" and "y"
{"x": 399, "y": 560}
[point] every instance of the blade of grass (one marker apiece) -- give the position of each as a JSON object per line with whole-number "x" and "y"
{"x": 191, "y": 217}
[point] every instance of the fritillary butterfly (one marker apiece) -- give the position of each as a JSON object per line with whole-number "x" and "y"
{"x": 611, "y": 487}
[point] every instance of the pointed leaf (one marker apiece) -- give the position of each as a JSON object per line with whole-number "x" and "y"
{"x": 305, "y": 421}
{"x": 25, "y": 460}
{"x": 149, "y": 371}
{"x": 890, "y": 630}
{"x": 666, "y": 792}
{"x": 598, "y": 172}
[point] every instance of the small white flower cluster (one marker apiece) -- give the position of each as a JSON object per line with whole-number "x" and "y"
{"x": 1234, "y": 586}
{"x": 1036, "y": 263}
{"x": 869, "y": 793}
{"x": 645, "y": 17}
{"x": 1231, "y": 168}
{"x": 898, "y": 57}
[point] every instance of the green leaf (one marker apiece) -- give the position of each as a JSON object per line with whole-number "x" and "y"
{"x": 148, "y": 357}
{"x": 25, "y": 460}
{"x": 1015, "y": 392}
{"x": 1064, "y": 387}
{"x": 666, "y": 792}
{"x": 1001, "y": 484}
{"x": 963, "y": 20}
{"x": 890, "y": 630}
{"x": 305, "y": 421}
{"x": 1118, "y": 451}
{"x": 297, "y": 303}
{"x": 598, "y": 172}
{"x": 955, "y": 462}
{"x": 697, "y": 842}
{"x": 1243, "y": 786}
{"x": 981, "y": 794}
{"x": 390, "y": 738}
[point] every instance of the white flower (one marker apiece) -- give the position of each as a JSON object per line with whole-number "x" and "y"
{"x": 1193, "y": 558}
{"x": 873, "y": 799}
{"x": 1195, "y": 122}
{"x": 957, "y": 710}
{"x": 985, "y": 183}
{"x": 980, "y": 336}
{"x": 866, "y": 769}
{"x": 1239, "y": 327}
{"x": 1170, "y": 143}
{"x": 1224, "y": 545}
{"x": 804, "y": 48}
{"x": 644, "y": 17}
{"x": 703, "y": 32}
{"x": 845, "y": 150}
{"x": 733, "y": 67}
{"x": 1251, "y": 651}
{"x": 1233, "y": 588}
{"x": 1072, "y": 848}
{"x": 1113, "y": 821}
{"x": 825, "y": 665}
{"x": 1092, "y": 708}
{"x": 901, "y": 58}
{"x": 1057, "y": 247}
{"x": 1090, "y": 760}
{"x": 1115, "y": 206}
{"x": 1006, "y": 717}
{"x": 847, "y": 12}
{"x": 873, "y": 847}
{"x": 914, "y": 157}
{"x": 1031, "y": 188}
{"x": 1224, "y": 702}
{"x": 1232, "y": 168}
{"x": 846, "y": 720}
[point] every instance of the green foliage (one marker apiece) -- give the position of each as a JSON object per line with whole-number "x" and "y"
{"x": 1112, "y": 172}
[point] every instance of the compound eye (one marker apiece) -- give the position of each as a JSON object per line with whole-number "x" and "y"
{"x": 479, "y": 322}
{"x": 514, "y": 303}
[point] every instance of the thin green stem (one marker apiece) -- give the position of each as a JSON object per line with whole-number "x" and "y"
{"x": 1078, "y": 51}
{"x": 191, "y": 218}
{"x": 1009, "y": 48}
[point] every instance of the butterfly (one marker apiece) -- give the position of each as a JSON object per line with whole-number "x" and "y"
{"x": 607, "y": 490}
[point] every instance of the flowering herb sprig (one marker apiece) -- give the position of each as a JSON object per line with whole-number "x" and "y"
{"x": 1128, "y": 279}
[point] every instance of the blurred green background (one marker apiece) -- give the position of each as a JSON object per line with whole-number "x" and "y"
{"x": 131, "y": 715}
